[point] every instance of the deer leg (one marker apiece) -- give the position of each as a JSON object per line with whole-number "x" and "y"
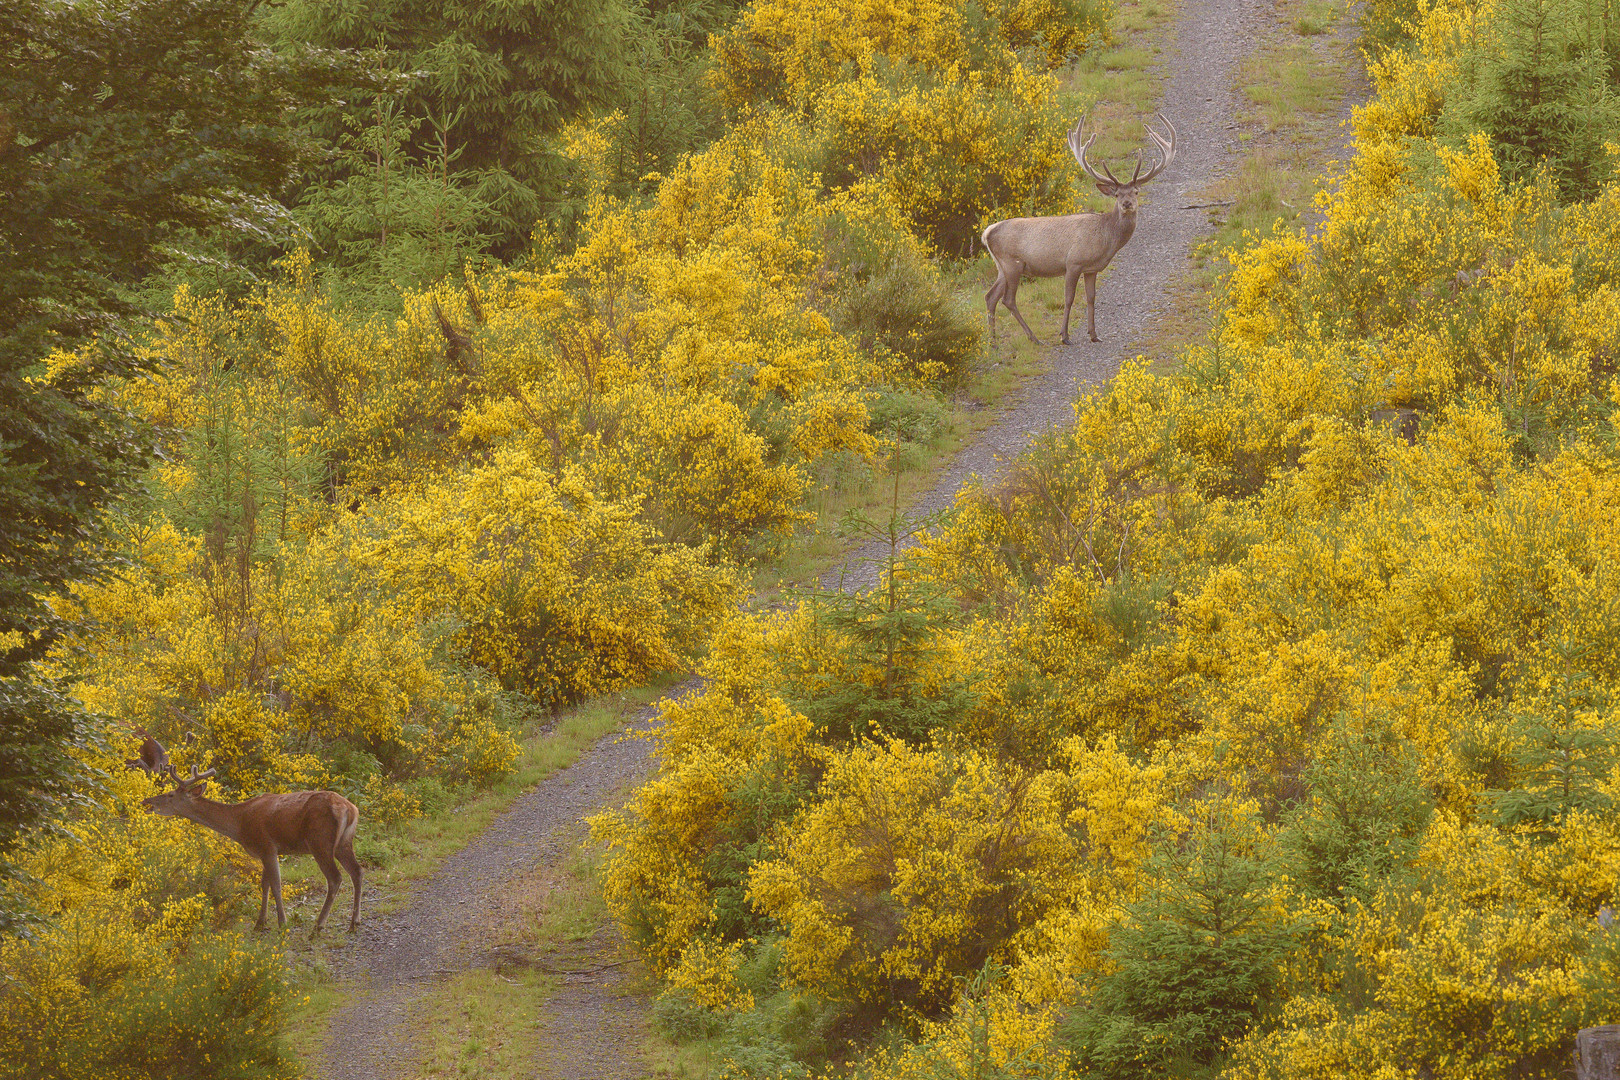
{"x": 993, "y": 297}
{"x": 1071, "y": 279}
{"x": 264, "y": 897}
{"x": 345, "y": 854}
{"x": 1091, "y": 305}
{"x": 334, "y": 882}
{"x": 1010, "y": 298}
{"x": 272, "y": 877}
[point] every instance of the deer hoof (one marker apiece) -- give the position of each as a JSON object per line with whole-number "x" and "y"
{"x": 1094, "y": 337}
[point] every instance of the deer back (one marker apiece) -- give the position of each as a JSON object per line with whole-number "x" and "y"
{"x": 1052, "y": 246}
{"x": 295, "y": 822}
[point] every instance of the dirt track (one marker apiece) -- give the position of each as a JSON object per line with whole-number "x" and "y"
{"x": 1211, "y": 37}
{"x": 594, "y": 1021}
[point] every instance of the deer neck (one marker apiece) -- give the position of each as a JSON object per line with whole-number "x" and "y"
{"x": 223, "y": 818}
{"x": 1124, "y": 226}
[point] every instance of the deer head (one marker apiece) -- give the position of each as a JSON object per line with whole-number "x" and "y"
{"x": 153, "y": 758}
{"x": 1109, "y": 184}
{"x": 185, "y": 795}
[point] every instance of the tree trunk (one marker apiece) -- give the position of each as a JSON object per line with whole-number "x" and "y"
{"x": 1597, "y": 1053}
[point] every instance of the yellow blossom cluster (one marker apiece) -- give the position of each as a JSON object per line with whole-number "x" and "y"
{"x": 943, "y": 110}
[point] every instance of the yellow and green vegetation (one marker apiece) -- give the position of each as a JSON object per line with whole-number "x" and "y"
{"x": 382, "y": 384}
{"x": 1264, "y": 724}
{"x": 386, "y": 390}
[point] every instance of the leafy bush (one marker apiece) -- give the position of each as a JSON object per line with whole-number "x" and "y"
{"x": 99, "y": 1001}
{"x": 682, "y": 1019}
{"x": 1197, "y": 959}
{"x": 908, "y": 416}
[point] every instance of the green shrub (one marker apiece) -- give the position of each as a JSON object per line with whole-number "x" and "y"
{"x": 431, "y": 794}
{"x": 84, "y": 1006}
{"x": 1194, "y": 963}
{"x": 682, "y": 1019}
{"x": 895, "y": 302}
{"x": 909, "y": 416}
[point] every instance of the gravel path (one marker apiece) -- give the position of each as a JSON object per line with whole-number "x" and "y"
{"x": 402, "y": 953}
{"x": 1199, "y": 98}
{"x": 593, "y": 1020}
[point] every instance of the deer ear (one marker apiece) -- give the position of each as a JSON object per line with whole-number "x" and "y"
{"x": 1110, "y": 190}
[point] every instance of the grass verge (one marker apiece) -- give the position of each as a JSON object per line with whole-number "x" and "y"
{"x": 1292, "y": 91}
{"x": 1109, "y": 86}
{"x": 406, "y": 852}
{"x": 492, "y": 1023}
{"x": 482, "y": 1024}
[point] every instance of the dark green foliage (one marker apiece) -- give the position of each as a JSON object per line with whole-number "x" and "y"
{"x": 1386, "y": 24}
{"x": 1194, "y": 964}
{"x": 122, "y": 124}
{"x": 122, "y": 121}
{"x": 895, "y": 302}
{"x": 487, "y": 86}
{"x": 401, "y": 216}
{"x": 683, "y": 1020}
{"x": 891, "y": 629}
{"x": 1366, "y": 807}
{"x": 762, "y": 804}
{"x": 785, "y": 1035}
{"x": 908, "y": 416}
{"x": 753, "y": 1046}
{"x": 1558, "y": 754}
{"x": 901, "y": 306}
{"x": 431, "y": 793}
{"x": 663, "y": 103}
{"x": 1541, "y": 90}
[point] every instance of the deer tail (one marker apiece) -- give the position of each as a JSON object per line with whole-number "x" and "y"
{"x": 348, "y": 820}
{"x": 984, "y": 237}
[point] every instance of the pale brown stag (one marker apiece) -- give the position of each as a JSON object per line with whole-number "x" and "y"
{"x": 318, "y": 823}
{"x": 1074, "y": 245}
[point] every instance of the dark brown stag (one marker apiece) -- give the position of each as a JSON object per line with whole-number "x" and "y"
{"x": 318, "y": 823}
{"x": 151, "y": 756}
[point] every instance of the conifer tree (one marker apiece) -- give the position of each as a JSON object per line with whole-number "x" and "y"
{"x": 121, "y": 122}
{"x": 1538, "y": 86}
{"x": 1197, "y": 959}
{"x": 500, "y": 78}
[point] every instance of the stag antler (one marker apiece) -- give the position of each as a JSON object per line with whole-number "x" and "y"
{"x": 1167, "y": 150}
{"x": 190, "y": 782}
{"x": 1167, "y": 154}
{"x": 1079, "y": 148}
